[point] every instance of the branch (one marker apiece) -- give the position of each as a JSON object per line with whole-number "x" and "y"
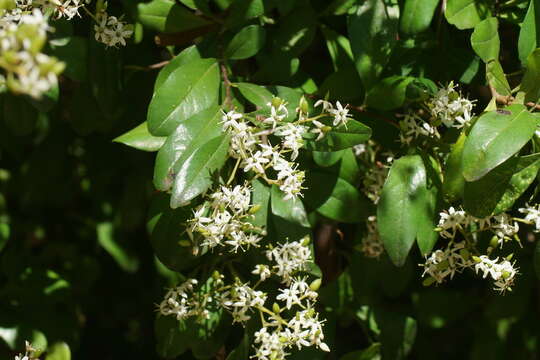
{"x": 227, "y": 83}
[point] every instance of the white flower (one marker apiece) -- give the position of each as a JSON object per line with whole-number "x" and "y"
{"x": 319, "y": 129}
{"x": 341, "y": 114}
{"x": 111, "y": 31}
{"x": 450, "y": 107}
{"x": 503, "y": 273}
{"x": 292, "y": 137}
{"x": 450, "y": 220}
{"x": 504, "y": 228}
{"x": 263, "y": 271}
{"x": 256, "y": 162}
{"x": 290, "y": 258}
{"x": 443, "y": 263}
{"x": 326, "y": 105}
{"x": 532, "y": 215}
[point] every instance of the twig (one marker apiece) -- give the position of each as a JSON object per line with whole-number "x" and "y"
{"x": 501, "y": 99}
{"x": 158, "y": 65}
{"x": 227, "y": 83}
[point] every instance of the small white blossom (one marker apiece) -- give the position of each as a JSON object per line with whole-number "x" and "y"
{"x": 340, "y": 113}
{"x": 451, "y": 108}
{"x": 111, "y": 31}
{"x": 532, "y": 215}
{"x": 263, "y": 271}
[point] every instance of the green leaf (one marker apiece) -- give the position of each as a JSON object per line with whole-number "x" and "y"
{"x": 530, "y": 84}
{"x": 417, "y": 15}
{"x": 171, "y": 335}
{"x": 398, "y": 333}
{"x": 256, "y": 94}
{"x": 261, "y": 197}
{"x": 291, "y": 210}
{"x": 529, "y": 35}
{"x": 244, "y": 10}
{"x": 341, "y": 137}
{"x": 485, "y": 39}
{"x": 465, "y": 14}
{"x": 454, "y": 181}
{"x": 189, "y": 89}
{"x": 495, "y": 137}
{"x": 389, "y": 93}
{"x": 58, "y": 351}
{"x": 168, "y": 16}
{"x": 426, "y": 236}
{"x": 167, "y": 239}
{"x": 187, "y": 138}
{"x": 501, "y": 187}
{"x": 246, "y": 43}
{"x": 342, "y": 85}
{"x": 401, "y": 206}
{"x": 344, "y": 204}
{"x": 241, "y": 352}
{"x": 195, "y": 174}
{"x": 106, "y": 238}
{"x": 141, "y": 139}
{"x": 187, "y": 56}
{"x": 339, "y": 49}
{"x": 4, "y": 234}
{"x": 373, "y": 35}
{"x": 326, "y": 158}
{"x": 497, "y": 79}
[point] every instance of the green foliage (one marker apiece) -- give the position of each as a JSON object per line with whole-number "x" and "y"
{"x": 418, "y": 123}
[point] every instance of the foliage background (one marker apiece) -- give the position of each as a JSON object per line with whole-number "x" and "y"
{"x": 76, "y": 261}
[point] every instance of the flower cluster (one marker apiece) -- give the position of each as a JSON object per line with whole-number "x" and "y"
{"x": 23, "y": 35}
{"x": 110, "y": 30}
{"x": 67, "y": 9}
{"x": 222, "y": 219}
{"x": 502, "y": 272}
{"x": 447, "y": 107}
{"x": 295, "y": 323}
{"x": 378, "y": 164}
{"x": 451, "y": 221}
{"x": 441, "y": 264}
{"x": 29, "y": 353}
{"x": 251, "y": 145}
{"x": 450, "y": 107}
{"x": 532, "y": 215}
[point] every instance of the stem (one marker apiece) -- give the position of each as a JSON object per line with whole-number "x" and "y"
{"x": 90, "y": 14}
{"x": 234, "y": 171}
{"x": 227, "y": 83}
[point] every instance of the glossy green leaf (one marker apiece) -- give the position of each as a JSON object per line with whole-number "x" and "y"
{"x": 187, "y": 138}
{"x": 342, "y": 137}
{"x": 389, "y": 93}
{"x": 106, "y": 238}
{"x": 343, "y": 204}
{"x": 195, "y": 174}
{"x": 291, "y": 210}
{"x": 189, "y": 89}
{"x": 342, "y": 85}
{"x": 293, "y": 37}
{"x": 454, "y": 181}
{"x": 426, "y": 236}
{"x": 485, "y": 39}
{"x": 495, "y": 137}
{"x": 496, "y": 78}
{"x": 373, "y": 35}
{"x": 141, "y": 139}
{"x": 529, "y": 35}
{"x": 256, "y": 94}
{"x": 168, "y": 16}
{"x": 58, "y": 351}
{"x": 465, "y": 14}
{"x": 417, "y": 15}
{"x": 401, "y": 205}
{"x": 187, "y": 56}
{"x": 4, "y": 234}
{"x": 246, "y": 43}
{"x": 398, "y": 333}
{"x": 530, "y": 84}
{"x": 373, "y": 352}
{"x": 501, "y": 187}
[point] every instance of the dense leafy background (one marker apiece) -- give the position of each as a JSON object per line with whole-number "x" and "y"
{"x": 76, "y": 209}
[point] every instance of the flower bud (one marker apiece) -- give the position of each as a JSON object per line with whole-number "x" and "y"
{"x": 303, "y": 105}
{"x": 494, "y": 241}
{"x": 184, "y": 243}
{"x": 275, "y": 308}
{"x": 315, "y": 284}
{"x": 477, "y": 259}
{"x": 276, "y": 102}
{"x": 428, "y": 282}
{"x": 254, "y": 209}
